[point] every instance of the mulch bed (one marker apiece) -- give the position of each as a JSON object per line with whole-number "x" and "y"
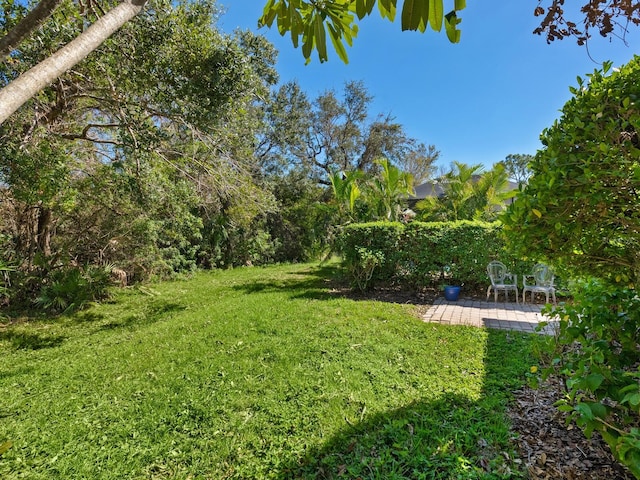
{"x": 549, "y": 448}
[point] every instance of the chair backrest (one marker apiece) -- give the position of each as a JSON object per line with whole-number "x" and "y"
{"x": 543, "y": 275}
{"x": 497, "y": 271}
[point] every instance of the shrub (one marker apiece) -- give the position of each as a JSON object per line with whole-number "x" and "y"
{"x": 419, "y": 254}
{"x": 72, "y": 288}
{"x": 598, "y": 353}
{"x": 360, "y": 243}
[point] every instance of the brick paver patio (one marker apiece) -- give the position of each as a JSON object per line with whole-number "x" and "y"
{"x": 500, "y": 315}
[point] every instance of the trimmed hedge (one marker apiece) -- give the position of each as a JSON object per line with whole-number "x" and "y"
{"x": 425, "y": 254}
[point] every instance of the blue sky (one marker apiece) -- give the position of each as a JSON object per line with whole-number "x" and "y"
{"x": 477, "y": 101}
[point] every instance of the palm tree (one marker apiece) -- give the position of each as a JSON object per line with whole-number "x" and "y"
{"x": 389, "y": 189}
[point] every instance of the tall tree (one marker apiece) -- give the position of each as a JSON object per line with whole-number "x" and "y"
{"x": 168, "y": 130}
{"x": 517, "y": 167}
{"x": 341, "y": 135}
{"x": 580, "y": 207}
{"x": 420, "y": 162}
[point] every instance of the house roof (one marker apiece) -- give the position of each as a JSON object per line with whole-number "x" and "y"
{"x": 434, "y": 189}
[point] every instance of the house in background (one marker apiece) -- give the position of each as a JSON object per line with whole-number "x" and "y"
{"x": 436, "y": 189}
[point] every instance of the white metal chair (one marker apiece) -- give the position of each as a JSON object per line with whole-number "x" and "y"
{"x": 540, "y": 281}
{"x": 501, "y": 280}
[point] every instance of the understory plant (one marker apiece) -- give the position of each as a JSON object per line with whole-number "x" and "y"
{"x": 72, "y": 288}
{"x": 598, "y": 355}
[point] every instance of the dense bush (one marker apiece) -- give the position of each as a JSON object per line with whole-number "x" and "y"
{"x": 365, "y": 244}
{"x": 421, "y": 254}
{"x": 580, "y": 211}
{"x": 598, "y": 353}
{"x": 580, "y": 207}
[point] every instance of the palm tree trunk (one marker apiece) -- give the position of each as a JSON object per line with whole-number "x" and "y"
{"x": 19, "y": 91}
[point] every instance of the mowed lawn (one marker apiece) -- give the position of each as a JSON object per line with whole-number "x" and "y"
{"x": 255, "y": 373}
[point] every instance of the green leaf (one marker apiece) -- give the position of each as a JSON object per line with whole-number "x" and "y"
{"x": 632, "y": 398}
{"x": 387, "y": 9}
{"x": 320, "y": 38}
{"x": 584, "y": 410}
{"x": 413, "y": 15}
{"x": 364, "y": 8}
{"x": 450, "y": 24}
{"x": 268, "y": 14}
{"x": 336, "y": 40}
{"x": 459, "y": 5}
{"x": 594, "y": 381}
{"x": 436, "y": 14}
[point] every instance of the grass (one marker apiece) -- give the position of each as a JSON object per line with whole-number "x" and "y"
{"x": 255, "y": 373}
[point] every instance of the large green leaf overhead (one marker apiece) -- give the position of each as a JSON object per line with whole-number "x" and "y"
{"x": 313, "y": 20}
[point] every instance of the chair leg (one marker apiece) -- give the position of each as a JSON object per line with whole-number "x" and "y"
{"x": 488, "y": 292}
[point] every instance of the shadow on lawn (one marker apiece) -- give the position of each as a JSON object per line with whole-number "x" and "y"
{"x": 21, "y": 340}
{"x": 449, "y": 437}
{"x": 152, "y": 313}
{"x": 317, "y": 283}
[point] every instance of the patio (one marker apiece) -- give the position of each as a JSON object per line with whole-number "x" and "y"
{"x": 498, "y": 315}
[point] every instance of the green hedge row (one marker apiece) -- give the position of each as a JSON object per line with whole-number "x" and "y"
{"x": 425, "y": 254}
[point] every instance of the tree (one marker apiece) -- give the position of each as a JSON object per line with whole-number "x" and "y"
{"x": 580, "y": 207}
{"x": 517, "y": 167}
{"x": 580, "y": 213}
{"x": 468, "y": 193}
{"x": 338, "y": 134}
{"x": 389, "y": 191}
{"x": 419, "y": 162}
{"x": 127, "y": 158}
{"x": 20, "y": 90}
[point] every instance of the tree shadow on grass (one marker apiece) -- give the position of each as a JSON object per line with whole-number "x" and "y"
{"x": 20, "y": 340}
{"x": 152, "y": 313}
{"x": 316, "y": 283}
{"x": 449, "y": 436}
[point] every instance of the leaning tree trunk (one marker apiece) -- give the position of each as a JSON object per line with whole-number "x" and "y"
{"x": 14, "y": 95}
{"x": 27, "y": 25}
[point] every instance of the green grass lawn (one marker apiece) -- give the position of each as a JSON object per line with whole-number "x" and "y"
{"x": 255, "y": 373}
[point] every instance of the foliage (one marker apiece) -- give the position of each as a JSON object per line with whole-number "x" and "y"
{"x": 129, "y": 158}
{"x": 312, "y": 21}
{"x": 419, "y": 254}
{"x": 579, "y": 208}
{"x": 4, "y": 280}
{"x": 389, "y": 191}
{"x": 468, "y": 193}
{"x": 608, "y": 18}
{"x": 362, "y": 266}
{"x": 517, "y": 167}
{"x": 73, "y": 288}
{"x": 335, "y": 132}
{"x": 256, "y": 373}
{"x": 302, "y": 224}
{"x": 369, "y": 251}
{"x": 597, "y": 352}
